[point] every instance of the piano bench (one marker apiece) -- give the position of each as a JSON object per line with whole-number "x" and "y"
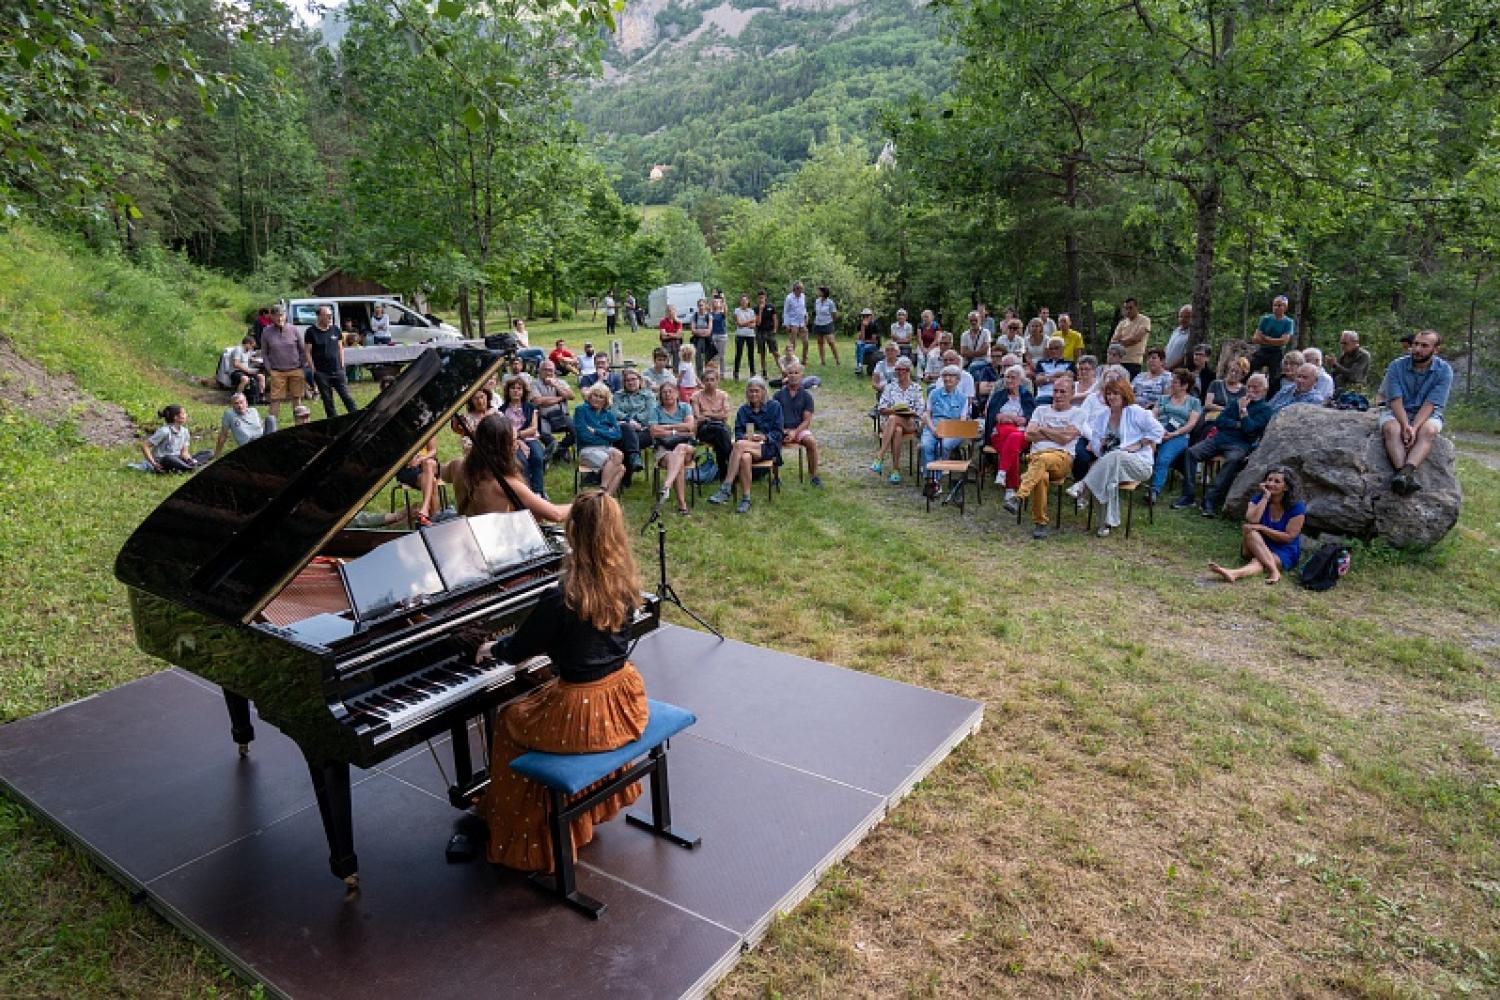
{"x": 566, "y": 774}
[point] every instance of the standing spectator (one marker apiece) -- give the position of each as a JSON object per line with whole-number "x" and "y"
{"x": 794, "y": 318}
{"x": 1352, "y": 367}
{"x": 1179, "y": 412}
{"x": 1049, "y": 328}
{"x": 974, "y": 344}
{"x": 380, "y": 326}
{"x": 1272, "y": 334}
{"x": 902, "y": 333}
{"x": 609, "y": 313}
{"x": 825, "y": 315}
{"x": 866, "y": 342}
{"x": 1175, "y": 355}
{"x": 169, "y": 448}
{"x": 718, "y": 331}
{"x": 1131, "y": 334}
{"x": 687, "y": 373}
{"x": 711, "y": 412}
{"x": 671, "y": 334}
{"x": 797, "y": 415}
{"x": 745, "y": 321}
{"x": 1153, "y": 383}
{"x": 241, "y": 420}
{"x": 703, "y": 328}
{"x": 323, "y": 348}
{"x": 986, "y": 320}
{"x": 1415, "y": 389}
{"x": 631, "y": 312}
{"x": 1124, "y": 438}
{"x": 766, "y": 325}
{"x": 281, "y": 346}
{"x": 1052, "y": 431}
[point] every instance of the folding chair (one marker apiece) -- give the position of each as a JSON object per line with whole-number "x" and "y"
{"x": 957, "y": 469}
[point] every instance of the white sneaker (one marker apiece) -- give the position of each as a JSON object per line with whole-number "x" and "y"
{"x": 999, "y": 479}
{"x": 1076, "y": 490}
{"x": 1010, "y": 495}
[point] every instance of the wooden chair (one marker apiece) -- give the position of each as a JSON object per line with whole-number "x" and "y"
{"x": 773, "y": 476}
{"x": 1130, "y": 489}
{"x": 402, "y": 494}
{"x": 1059, "y": 488}
{"x": 957, "y": 467}
{"x": 793, "y": 444}
{"x": 693, "y": 486}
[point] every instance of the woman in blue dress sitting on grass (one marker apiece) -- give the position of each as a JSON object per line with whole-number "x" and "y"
{"x": 1272, "y": 531}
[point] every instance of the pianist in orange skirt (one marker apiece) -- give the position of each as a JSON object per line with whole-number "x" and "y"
{"x": 597, "y": 702}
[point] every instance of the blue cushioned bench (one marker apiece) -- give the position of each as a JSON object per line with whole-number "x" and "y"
{"x": 567, "y": 774}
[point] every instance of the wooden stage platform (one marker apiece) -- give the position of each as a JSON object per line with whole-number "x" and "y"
{"x": 791, "y": 764}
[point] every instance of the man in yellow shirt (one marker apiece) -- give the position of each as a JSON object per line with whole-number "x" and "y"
{"x": 1071, "y": 338}
{"x": 1131, "y": 333}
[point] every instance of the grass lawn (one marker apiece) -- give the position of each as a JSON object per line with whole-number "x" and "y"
{"x": 1181, "y": 786}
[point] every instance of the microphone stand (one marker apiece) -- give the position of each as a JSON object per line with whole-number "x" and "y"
{"x": 664, "y": 590}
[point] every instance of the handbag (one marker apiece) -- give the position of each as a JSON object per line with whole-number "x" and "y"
{"x": 673, "y": 441}
{"x": 706, "y": 471}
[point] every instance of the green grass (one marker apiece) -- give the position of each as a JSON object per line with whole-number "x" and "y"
{"x": 1180, "y": 787}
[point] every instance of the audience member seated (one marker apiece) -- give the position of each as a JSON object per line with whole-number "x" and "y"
{"x": 300, "y": 415}
{"x": 1088, "y": 370}
{"x": 240, "y": 370}
{"x": 602, "y": 373}
{"x": 1415, "y": 389}
{"x": 1005, "y": 420}
{"x": 527, "y": 353}
{"x": 1203, "y": 373}
{"x": 565, "y": 360}
{"x": 516, "y": 406}
{"x": 885, "y": 369}
{"x": 1351, "y": 369}
{"x": 1052, "y": 432}
{"x": 1073, "y": 348}
{"x": 1271, "y": 537}
{"x": 1179, "y": 412}
{"x": 974, "y": 343}
{"x": 1123, "y": 438}
{"x": 1290, "y": 362}
{"x": 598, "y": 431}
{"x": 711, "y": 415}
{"x": 965, "y": 380}
{"x": 757, "y": 438}
{"x": 242, "y": 421}
{"x": 169, "y": 448}
{"x": 658, "y": 372}
{"x": 633, "y": 409}
{"x": 1236, "y": 432}
{"x": 927, "y": 332}
{"x": 672, "y": 427}
{"x": 480, "y": 405}
{"x": 932, "y": 360}
{"x": 1313, "y": 356}
{"x": 1011, "y": 339}
{"x": 421, "y": 474}
{"x": 1035, "y": 340}
{"x": 1222, "y": 390}
{"x": 380, "y": 327}
{"x": 903, "y": 334}
{"x": 797, "y": 416}
{"x": 901, "y": 405}
{"x": 1153, "y": 383}
{"x": 598, "y": 702}
{"x": 1091, "y": 405}
{"x": 1049, "y": 369}
{"x": 866, "y": 342}
{"x": 587, "y": 359}
{"x": 1300, "y": 388}
{"x": 946, "y": 402}
{"x": 1115, "y": 355}
{"x": 551, "y": 396}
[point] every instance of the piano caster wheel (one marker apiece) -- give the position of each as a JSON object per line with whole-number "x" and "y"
{"x": 244, "y": 749}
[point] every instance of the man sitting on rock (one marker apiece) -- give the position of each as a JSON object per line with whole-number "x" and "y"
{"x": 1302, "y": 389}
{"x": 1239, "y": 427}
{"x": 1352, "y": 366}
{"x": 1416, "y": 390}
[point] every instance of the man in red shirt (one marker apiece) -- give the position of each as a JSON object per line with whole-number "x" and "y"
{"x": 671, "y": 336}
{"x": 565, "y": 360}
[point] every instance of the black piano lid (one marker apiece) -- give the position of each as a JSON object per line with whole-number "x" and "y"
{"x": 232, "y": 536}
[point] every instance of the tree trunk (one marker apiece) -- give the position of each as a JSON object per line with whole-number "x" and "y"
{"x": 1304, "y": 311}
{"x": 483, "y": 308}
{"x": 465, "y": 318}
{"x": 1208, "y": 198}
{"x": 1473, "y": 307}
{"x": 556, "y": 305}
{"x": 1074, "y": 295}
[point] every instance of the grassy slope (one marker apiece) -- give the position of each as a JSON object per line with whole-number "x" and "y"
{"x": 1273, "y": 792}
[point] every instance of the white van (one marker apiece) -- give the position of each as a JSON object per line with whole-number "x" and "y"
{"x": 684, "y": 296}
{"x": 407, "y": 325}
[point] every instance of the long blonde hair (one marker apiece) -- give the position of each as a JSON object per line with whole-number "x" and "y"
{"x": 600, "y": 581}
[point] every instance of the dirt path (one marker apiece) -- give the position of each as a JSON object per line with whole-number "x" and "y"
{"x": 1481, "y": 448}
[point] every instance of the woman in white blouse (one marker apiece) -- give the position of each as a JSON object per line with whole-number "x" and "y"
{"x": 1123, "y": 437}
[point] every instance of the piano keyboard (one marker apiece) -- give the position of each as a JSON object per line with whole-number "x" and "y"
{"x": 393, "y": 707}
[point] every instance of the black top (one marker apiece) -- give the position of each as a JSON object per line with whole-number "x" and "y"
{"x": 580, "y": 652}
{"x": 766, "y": 320}
{"x": 325, "y": 348}
{"x": 230, "y": 537}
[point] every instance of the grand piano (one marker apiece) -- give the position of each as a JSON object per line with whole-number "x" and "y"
{"x": 345, "y": 639}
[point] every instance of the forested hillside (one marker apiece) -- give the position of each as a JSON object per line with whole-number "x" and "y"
{"x": 730, "y": 96}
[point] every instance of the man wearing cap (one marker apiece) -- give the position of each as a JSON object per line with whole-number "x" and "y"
{"x": 301, "y": 415}
{"x": 945, "y": 402}
{"x": 1416, "y": 388}
{"x": 796, "y": 418}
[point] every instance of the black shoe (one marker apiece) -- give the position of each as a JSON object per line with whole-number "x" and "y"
{"x": 1207, "y": 511}
{"x": 931, "y": 488}
{"x": 1400, "y": 484}
{"x": 1039, "y": 532}
{"x": 1183, "y": 503}
{"x": 1412, "y": 486}
{"x": 1013, "y": 505}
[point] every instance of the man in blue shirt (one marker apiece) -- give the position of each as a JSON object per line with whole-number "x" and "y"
{"x": 1302, "y": 389}
{"x": 1416, "y": 390}
{"x": 1272, "y": 334}
{"x": 796, "y": 419}
{"x": 946, "y": 402}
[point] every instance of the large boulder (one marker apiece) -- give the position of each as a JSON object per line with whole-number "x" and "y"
{"x": 1340, "y": 461}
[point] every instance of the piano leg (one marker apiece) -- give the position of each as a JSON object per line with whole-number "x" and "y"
{"x": 239, "y": 720}
{"x": 331, "y": 783}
